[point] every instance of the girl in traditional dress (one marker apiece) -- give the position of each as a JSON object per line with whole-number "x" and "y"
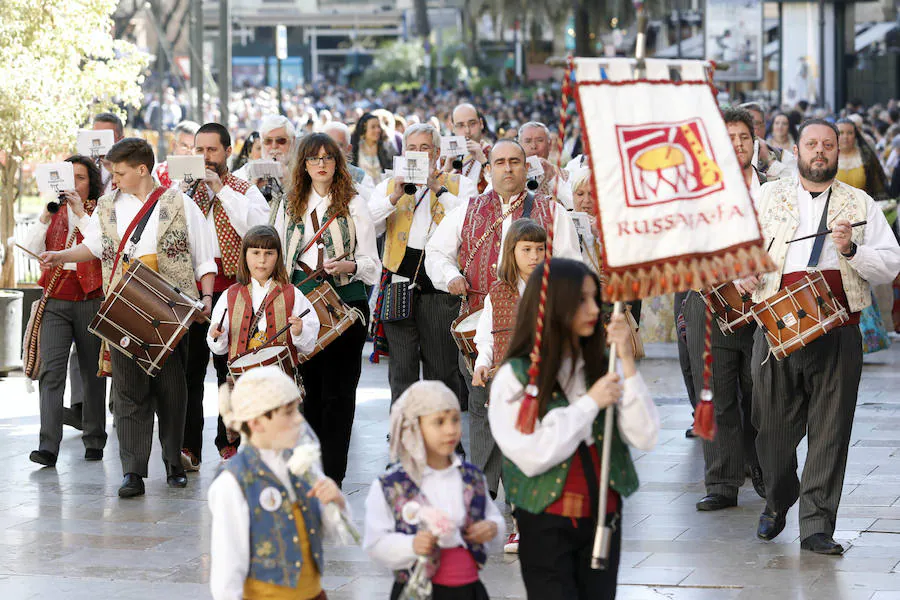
{"x": 551, "y": 474}
{"x": 427, "y": 472}
{"x": 329, "y": 237}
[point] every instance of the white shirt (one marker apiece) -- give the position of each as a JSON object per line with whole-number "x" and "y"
{"x": 230, "y": 538}
{"x": 562, "y": 429}
{"x": 36, "y": 236}
{"x": 484, "y": 337}
{"x": 368, "y": 265}
{"x": 444, "y": 490}
{"x": 381, "y": 208}
{"x": 243, "y": 211}
{"x": 877, "y": 259}
{"x": 442, "y": 250}
{"x": 127, "y": 207}
{"x": 305, "y": 342}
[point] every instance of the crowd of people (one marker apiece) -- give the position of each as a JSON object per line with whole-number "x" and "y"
{"x": 309, "y": 259}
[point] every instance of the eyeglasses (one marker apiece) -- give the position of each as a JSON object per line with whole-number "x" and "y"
{"x": 281, "y": 141}
{"x": 320, "y": 160}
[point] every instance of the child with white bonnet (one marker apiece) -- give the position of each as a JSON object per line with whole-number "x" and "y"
{"x": 425, "y": 429}
{"x": 267, "y": 526}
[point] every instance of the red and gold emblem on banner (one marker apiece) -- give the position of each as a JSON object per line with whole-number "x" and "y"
{"x": 665, "y": 162}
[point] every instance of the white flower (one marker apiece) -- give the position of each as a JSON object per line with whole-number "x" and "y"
{"x": 304, "y": 458}
{"x": 410, "y": 512}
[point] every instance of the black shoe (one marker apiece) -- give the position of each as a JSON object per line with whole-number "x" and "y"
{"x": 93, "y": 454}
{"x": 132, "y": 485}
{"x": 770, "y": 525}
{"x": 759, "y": 484}
{"x": 176, "y": 477}
{"x": 716, "y": 502}
{"x": 43, "y": 457}
{"x": 72, "y": 417}
{"x": 689, "y": 433}
{"x": 822, "y": 543}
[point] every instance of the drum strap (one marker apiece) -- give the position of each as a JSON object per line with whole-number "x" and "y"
{"x": 137, "y": 226}
{"x": 267, "y": 301}
{"x": 820, "y": 240}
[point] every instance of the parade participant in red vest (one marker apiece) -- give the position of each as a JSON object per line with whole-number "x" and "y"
{"x": 74, "y": 296}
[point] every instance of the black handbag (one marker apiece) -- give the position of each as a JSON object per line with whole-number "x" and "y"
{"x": 398, "y": 297}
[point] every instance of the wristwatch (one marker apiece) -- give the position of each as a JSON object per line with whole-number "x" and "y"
{"x": 852, "y": 251}
{"x": 441, "y": 191}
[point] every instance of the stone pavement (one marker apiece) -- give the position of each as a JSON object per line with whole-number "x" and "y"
{"x": 65, "y": 534}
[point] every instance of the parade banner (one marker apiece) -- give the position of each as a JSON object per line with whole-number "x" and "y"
{"x": 673, "y": 210}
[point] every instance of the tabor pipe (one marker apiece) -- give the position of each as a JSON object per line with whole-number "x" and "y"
{"x": 826, "y": 232}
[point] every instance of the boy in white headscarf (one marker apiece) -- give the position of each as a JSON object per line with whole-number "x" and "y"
{"x": 425, "y": 429}
{"x": 267, "y": 526}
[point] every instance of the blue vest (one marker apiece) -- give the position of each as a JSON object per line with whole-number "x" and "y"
{"x": 275, "y": 556}
{"x": 399, "y": 489}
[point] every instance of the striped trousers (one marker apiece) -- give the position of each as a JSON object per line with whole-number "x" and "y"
{"x": 734, "y": 445}
{"x": 137, "y": 396}
{"x": 483, "y": 450}
{"x": 812, "y": 392}
{"x": 423, "y": 339}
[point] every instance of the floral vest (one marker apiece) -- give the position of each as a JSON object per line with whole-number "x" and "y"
{"x": 535, "y": 494}
{"x": 90, "y": 273}
{"x": 173, "y": 248}
{"x": 480, "y": 267}
{"x": 229, "y": 240}
{"x": 400, "y": 222}
{"x": 399, "y": 489}
{"x": 779, "y": 218}
{"x": 505, "y": 304}
{"x": 279, "y": 303}
{"x": 339, "y": 239}
{"x": 275, "y": 555}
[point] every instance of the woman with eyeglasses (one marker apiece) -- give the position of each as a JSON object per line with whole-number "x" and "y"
{"x": 329, "y": 237}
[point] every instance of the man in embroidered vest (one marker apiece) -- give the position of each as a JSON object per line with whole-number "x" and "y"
{"x": 535, "y": 138}
{"x": 463, "y": 253}
{"x": 340, "y": 133}
{"x": 732, "y": 453}
{"x": 176, "y": 243}
{"x": 813, "y": 391}
{"x": 231, "y": 207}
{"x": 465, "y": 120}
{"x": 407, "y": 220}
{"x": 74, "y": 295}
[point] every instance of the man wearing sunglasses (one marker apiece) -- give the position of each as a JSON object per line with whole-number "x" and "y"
{"x": 277, "y": 135}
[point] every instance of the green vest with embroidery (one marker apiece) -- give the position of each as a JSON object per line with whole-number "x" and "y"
{"x": 535, "y": 494}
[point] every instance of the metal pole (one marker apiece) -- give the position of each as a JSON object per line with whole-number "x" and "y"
{"x": 821, "y": 53}
{"x": 780, "y": 54}
{"x": 161, "y": 69}
{"x": 197, "y": 58}
{"x": 224, "y": 60}
{"x": 678, "y": 26}
{"x": 280, "y": 96}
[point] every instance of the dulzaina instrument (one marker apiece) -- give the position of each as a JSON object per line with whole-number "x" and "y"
{"x": 144, "y": 316}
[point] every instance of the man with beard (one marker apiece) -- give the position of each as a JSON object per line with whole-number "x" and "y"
{"x": 465, "y": 120}
{"x": 732, "y": 452}
{"x": 277, "y": 135}
{"x": 231, "y": 207}
{"x": 535, "y": 138}
{"x": 774, "y": 162}
{"x": 813, "y": 391}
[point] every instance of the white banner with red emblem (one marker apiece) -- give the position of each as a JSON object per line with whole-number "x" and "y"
{"x": 673, "y": 208}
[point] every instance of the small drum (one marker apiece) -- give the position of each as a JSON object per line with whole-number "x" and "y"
{"x": 732, "y": 309}
{"x": 335, "y": 317}
{"x": 144, "y": 316}
{"x": 463, "y": 331}
{"x": 800, "y": 313}
{"x": 278, "y": 356}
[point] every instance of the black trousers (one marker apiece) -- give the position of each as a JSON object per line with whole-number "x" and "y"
{"x": 195, "y": 372}
{"x": 555, "y": 557}
{"x": 734, "y": 446}
{"x": 812, "y": 392}
{"x": 684, "y": 358}
{"x": 473, "y": 591}
{"x": 331, "y": 378}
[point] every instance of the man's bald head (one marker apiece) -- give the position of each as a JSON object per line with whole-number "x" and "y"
{"x": 465, "y": 120}
{"x": 503, "y": 142}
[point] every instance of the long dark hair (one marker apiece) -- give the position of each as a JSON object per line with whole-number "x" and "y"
{"x": 95, "y": 179}
{"x": 265, "y": 237}
{"x": 342, "y": 190}
{"x": 563, "y": 299}
{"x": 244, "y": 155}
{"x": 359, "y": 132}
{"x": 876, "y": 181}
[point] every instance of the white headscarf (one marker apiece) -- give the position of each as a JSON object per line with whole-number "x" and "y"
{"x": 256, "y": 393}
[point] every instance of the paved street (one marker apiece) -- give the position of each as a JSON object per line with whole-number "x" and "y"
{"x": 65, "y": 534}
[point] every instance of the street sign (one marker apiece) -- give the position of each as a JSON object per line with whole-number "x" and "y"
{"x": 281, "y": 42}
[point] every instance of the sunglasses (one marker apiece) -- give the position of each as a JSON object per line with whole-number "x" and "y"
{"x": 281, "y": 141}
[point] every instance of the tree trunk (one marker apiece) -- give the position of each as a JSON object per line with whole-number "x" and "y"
{"x": 8, "y": 219}
{"x": 423, "y": 27}
{"x": 584, "y": 46}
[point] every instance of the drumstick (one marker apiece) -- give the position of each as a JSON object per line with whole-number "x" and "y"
{"x": 28, "y": 252}
{"x": 221, "y": 322}
{"x": 826, "y": 232}
{"x": 318, "y": 272}
{"x": 279, "y": 332}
